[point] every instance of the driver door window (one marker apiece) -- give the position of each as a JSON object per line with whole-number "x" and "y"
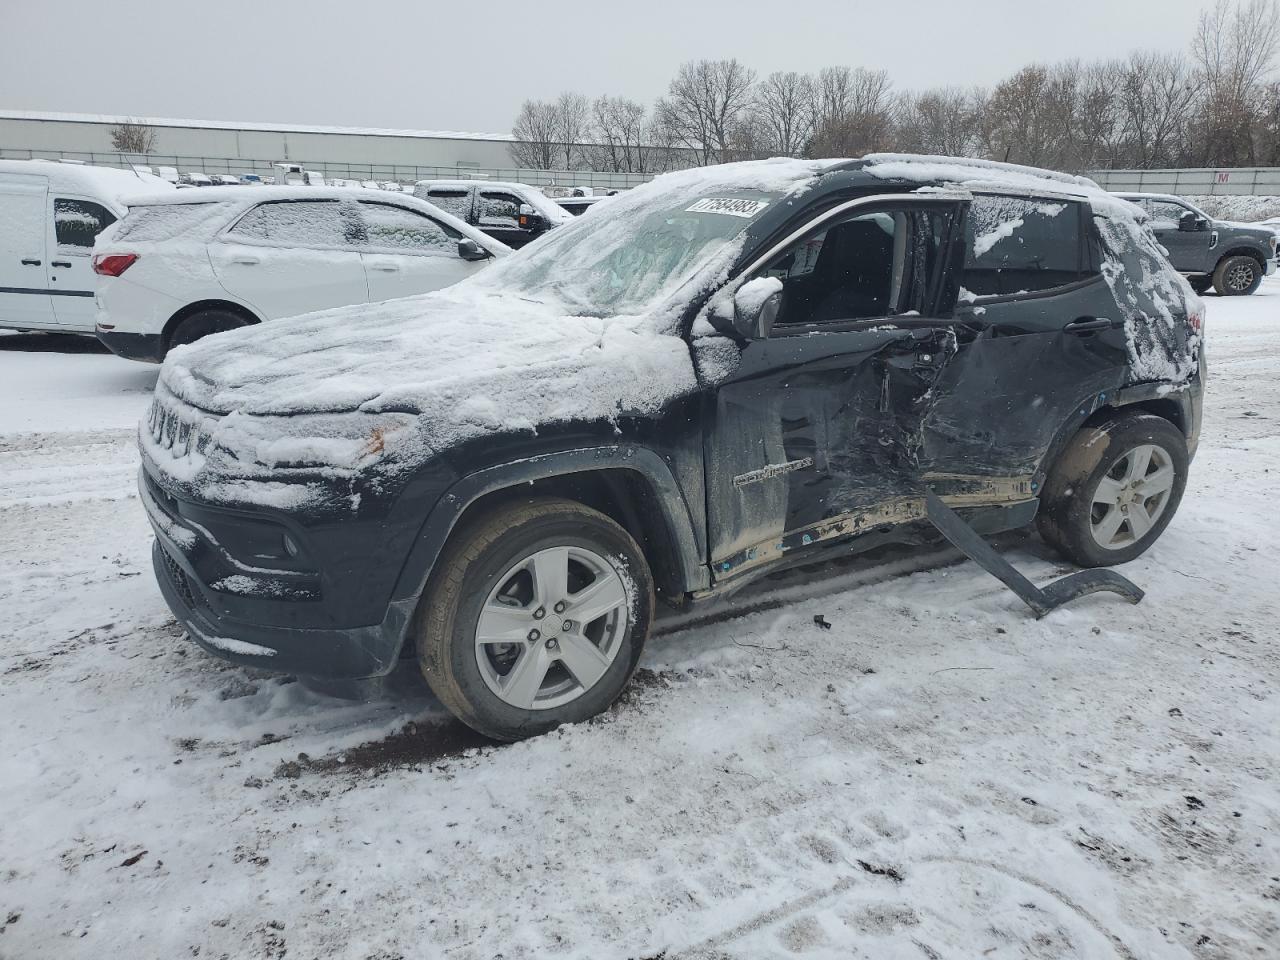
{"x": 868, "y": 266}
{"x": 1165, "y": 215}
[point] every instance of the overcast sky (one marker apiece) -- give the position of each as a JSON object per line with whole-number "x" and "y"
{"x": 460, "y": 66}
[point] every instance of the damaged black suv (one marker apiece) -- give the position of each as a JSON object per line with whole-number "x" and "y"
{"x": 731, "y": 370}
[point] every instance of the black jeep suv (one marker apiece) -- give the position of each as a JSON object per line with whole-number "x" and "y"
{"x": 730, "y": 370}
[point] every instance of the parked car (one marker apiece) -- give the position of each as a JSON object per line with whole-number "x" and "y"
{"x": 50, "y": 213}
{"x": 205, "y": 261}
{"x": 578, "y": 205}
{"x": 514, "y": 213}
{"x": 744, "y": 368}
{"x": 1231, "y": 257}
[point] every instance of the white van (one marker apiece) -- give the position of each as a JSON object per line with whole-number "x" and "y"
{"x": 50, "y": 213}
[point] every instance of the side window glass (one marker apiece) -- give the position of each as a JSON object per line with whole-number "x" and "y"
{"x": 456, "y": 202}
{"x": 296, "y": 223}
{"x": 872, "y": 265}
{"x": 77, "y": 222}
{"x": 499, "y": 209}
{"x": 1165, "y": 215}
{"x": 1021, "y": 245}
{"x": 395, "y": 229}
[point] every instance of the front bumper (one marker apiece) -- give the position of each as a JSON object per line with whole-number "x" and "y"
{"x": 147, "y": 347}
{"x": 245, "y": 626}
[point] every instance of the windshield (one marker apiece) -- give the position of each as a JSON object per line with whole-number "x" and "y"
{"x": 634, "y": 254}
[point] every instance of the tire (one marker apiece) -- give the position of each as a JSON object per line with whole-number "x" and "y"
{"x": 1081, "y": 518}
{"x": 202, "y": 323}
{"x": 1237, "y": 276}
{"x": 534, "y": 680}
{"x": 1200, "y": 285}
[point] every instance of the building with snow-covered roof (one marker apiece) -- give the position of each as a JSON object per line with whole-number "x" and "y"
{"x": 221, "y": 147}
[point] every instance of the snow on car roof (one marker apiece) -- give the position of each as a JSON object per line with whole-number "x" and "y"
{"x": 237, "y": 199}
{"x": 109, "y": 183}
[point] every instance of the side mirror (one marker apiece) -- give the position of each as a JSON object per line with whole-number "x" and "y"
{"x": 1190, "y": 222}
{"x": 529, "y": 219}
{"x": 468, "y": 249}
{"x": 755, "y": 308}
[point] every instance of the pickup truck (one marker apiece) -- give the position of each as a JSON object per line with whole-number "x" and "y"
{"x": 1230, "y": 257}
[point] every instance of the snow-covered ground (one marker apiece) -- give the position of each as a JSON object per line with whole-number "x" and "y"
{"x": 937, "y": 776}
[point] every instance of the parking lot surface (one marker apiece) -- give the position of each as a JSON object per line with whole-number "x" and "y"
{"x": 936, "y": 775}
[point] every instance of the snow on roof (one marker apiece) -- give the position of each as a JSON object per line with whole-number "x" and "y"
{"x": 107, "y": 183}
{"x": 260, "y": 127}
{"x": 240, "y": 198}
{"x": 979, "y": 174}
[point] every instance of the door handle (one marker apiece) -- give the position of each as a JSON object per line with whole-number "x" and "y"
{"x": 31, "y": 263}
{"x": 60, "y": 263}
{"x": 388, "y": 267}
{"x": 246, "y": 259}
{"x": 1083, "y": 325}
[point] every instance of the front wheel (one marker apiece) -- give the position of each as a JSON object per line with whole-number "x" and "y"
{"x": 535, "y": 617}
{"x": 1200, "y": 285}
{"x": 1237, "y": 276}
{"x": 1114, "y": 489}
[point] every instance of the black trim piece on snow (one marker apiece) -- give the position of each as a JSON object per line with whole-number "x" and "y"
{"x": 52, "y": 293}
{"x": 1041, "y": 600}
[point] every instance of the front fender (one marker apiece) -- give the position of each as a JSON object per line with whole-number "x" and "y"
{"x": 692, "y": 571}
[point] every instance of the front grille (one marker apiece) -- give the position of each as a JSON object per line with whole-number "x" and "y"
{"x": 178, "y": 579}
{"x": 176, "y": 427}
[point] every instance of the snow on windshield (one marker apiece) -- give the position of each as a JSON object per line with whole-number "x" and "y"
{"x": 656, "y": 238}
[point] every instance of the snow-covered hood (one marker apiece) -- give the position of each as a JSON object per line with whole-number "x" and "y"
{"x": 464, "y": 362}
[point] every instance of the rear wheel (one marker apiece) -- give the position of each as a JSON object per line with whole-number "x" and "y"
{"x": 1114, "y": 490}
{"x": 1200, "y": 285}
{"x": 1237, "y": 276}
{"x": 535, "y": 617}
{"x": 204, "y": 322}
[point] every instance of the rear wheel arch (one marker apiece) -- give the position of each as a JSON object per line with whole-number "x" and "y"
{"x": 1165, "y": 408}
{"x": 1242, "y": 252}
{"x": 200, "y": 306}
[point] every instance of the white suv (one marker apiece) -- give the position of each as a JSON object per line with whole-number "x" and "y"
{"x": 177, "y": 269}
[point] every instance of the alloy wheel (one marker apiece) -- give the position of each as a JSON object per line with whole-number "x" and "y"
{"x": 1240, "y": 277}
{"x": 1131, "y": 496}
{"x": 551, "y": 627}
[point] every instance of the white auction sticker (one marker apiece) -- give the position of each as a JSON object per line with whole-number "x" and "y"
{"x": 729, "y": 205}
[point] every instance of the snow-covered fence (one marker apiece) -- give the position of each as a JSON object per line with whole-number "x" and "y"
{"x": 1198, "y": 181}
{"x": 402, "y": 173}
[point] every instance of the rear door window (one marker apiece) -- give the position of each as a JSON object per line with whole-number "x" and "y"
{"x": 394, "y": 229}
{"x": 300, "y": 223}
{"x": 499, "y": 209}
{"x": 77, "y": 222}
{"x": 453, "y": 201}
{"x": 1020, "y": 245}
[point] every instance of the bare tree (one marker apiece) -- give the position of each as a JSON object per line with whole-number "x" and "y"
{"x": 939, "y": 121}
{"x": 133, "y": 137}
{"x": 784, "y": 112}
{"x": 535, "y": 131}
{"x": 1234, "y": 49}
{"x": 705, "y": 104}
{"x": 1155, "y": 95}
{"x": 853, "y": 112}
{"x": 618, "y": 131}
{"x": 572, "y": 115}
